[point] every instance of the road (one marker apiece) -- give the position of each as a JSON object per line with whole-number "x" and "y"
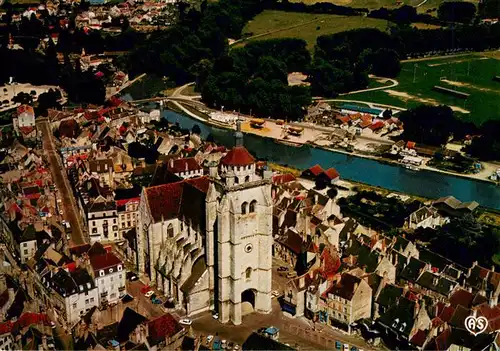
{"x": 393, "y": 84}
{"x": 70, "y": 208}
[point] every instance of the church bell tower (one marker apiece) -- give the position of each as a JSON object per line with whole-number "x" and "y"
{"x": 239, "y": 236}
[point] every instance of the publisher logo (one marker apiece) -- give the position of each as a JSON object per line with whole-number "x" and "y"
{"x": 476, "y": 325}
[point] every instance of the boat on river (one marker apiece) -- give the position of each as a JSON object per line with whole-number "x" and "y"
{"x": 288, "y": 142}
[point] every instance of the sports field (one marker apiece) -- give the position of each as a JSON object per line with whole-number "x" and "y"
{"x": 308, "y": 26}
{"x": 472, "y": 74}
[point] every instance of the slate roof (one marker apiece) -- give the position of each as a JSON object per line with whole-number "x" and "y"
{"x": 400, "y": 317}
{"x": 461, "y": 297}
{"x": 345, "y": 288}
{"x": 130, "y": 320}
{"x": 412, "y": 270}
{"x": 389, "y": 295}
{"x": 435, "y": 283}
{"x": 238, "y": 156}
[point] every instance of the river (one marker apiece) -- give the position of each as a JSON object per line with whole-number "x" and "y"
{"x": 423, "y": 183}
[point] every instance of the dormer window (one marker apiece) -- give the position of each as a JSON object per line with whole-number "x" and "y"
{"x": 119, "y": 268}
{"x": 396, "y": 322}
{"x": 403, "y": 326}
{"x": 111, "y": 270}
{"x": 89, "y": 286}
{"x": 101, "y": 273}
{"x": 247, "y": 179}
{"x": 81, "y": 287}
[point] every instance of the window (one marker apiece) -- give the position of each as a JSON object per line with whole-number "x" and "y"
{"x": 101, "y": 274}
{"x": 170, "y": 230}
{"x": 114, "y": 221}
{"x": 25, "y": 244}
{"x": 91, "y": 300}
{"x": 119, "y": 268}
{"x": 128, "y": 215}
{"x": 94, "y": 230}
{"x": 253, "y": 205}
{"x": 247, "y": 179}
{"x": 93, "y": 223}
{"x": 248, "y": 273}
{"x": 86, "y": 293}
{"x": 111, "y": 277}
{"x": 87, "y": 301}
{"x": 105, "y": 222}
{"x": 26, "y": 251}
{"x": 236, "y": 180}
{"x": 120, "y": 277}
{"x": 111, "y": 271}
{"x": 248, "y": 248}
{"x": 74, "y": 305}
{"x": 244, "y": 207}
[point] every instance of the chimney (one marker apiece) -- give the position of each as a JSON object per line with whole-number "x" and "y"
{"x": 494, "y": 300}
{"x": 187, "y": 166}
{"x": 492, "y": 268}
{"x": 171, "y": 163}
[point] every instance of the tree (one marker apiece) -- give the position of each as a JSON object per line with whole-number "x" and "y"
{"x": 455, "y": 11}
{"x": 385, "y": 63}
{"x": 269, "y": 68}
{"x": 332, "y": 193}
{"x": 320, "y": 183}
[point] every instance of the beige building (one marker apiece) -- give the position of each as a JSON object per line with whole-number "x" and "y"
{"x": 347, "y": 301}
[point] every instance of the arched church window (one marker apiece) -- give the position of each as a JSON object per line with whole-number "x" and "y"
{"x": 244, "y": 207}
{"x": 248, "y": 273}
{"x": 247, "y": 179}
{"x": 253, "y": 206}
{"x": 170, "y": 230}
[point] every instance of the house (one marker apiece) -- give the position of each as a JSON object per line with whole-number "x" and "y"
{"x": 165, "y": 333}
{"x": 109, "y": 276}
{"x": 328, "y": 177}
{"x": 312, "y": 173}
{"x": 103, "y": 170}
{"x": 288, "y": 247}
{"x": 348, "y": 300}
{"x": 185, "y": 168}
{"x": 425, "y": 217}
{"x": 75, "y": 293}
{"x": 127, "y": 214}
{"x": 25, "y": 116}
{"x": 102, "y": 220}
{"x": 27, "y": 243}
{"x": 453, "y": 207}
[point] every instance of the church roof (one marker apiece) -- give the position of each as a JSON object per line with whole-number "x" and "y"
{"x": 238, "y": 156}
{"x": 167, "y": 201}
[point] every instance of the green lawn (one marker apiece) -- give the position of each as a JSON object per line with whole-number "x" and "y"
{"x": 376, "y": 4}
{"x": 308, "y": 26}
{"x": 470, "y": 74}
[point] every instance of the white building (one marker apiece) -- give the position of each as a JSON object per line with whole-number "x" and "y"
{"x": 75, "y": 294}
{"x": 425, "y": 217}
{"x": 127, "y": 215}
{"x": 109, "y": 275}
{"x": 185, "y": 167}
{"x": 207, "y": 241}
{"x": 102, "y": 220}
{"x": 25, "y": 116}
{"x": 27, "y": 244}
{"x": 103, "y": 170}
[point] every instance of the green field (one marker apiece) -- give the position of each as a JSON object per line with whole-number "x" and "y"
{"x": 376, "y": 4}
{"x": 307, "y": 26}
{"x": 470, "y": 74}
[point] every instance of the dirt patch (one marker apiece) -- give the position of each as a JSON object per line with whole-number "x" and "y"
{"x": 455, "y": 61}
{"x": 470, "y": 86}
{"x": 405, "y": 97}
{"x": 297, "y": 78}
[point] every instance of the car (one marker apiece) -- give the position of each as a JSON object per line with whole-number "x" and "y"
{"x": 210, "y": 338}
{"x": 223, "y": 344}
{"x": 230, "y": 345}
{"x": 282, "y": 269}
{"x": 292, "y": 274}
{"x": 275, "y": 293}
{"x": 149, "y": 293}
{"x": 156, "y": 301}
{"x": 52, "y": 325}
{"x": 236, "y": 347}
{"x": 215, "y": 315}
{"x": 131, "y": 276}
{"x": 186, "y": 321}
{"x": 346, "y": 347}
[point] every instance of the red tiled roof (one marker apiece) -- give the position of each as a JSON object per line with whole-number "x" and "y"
{"x": 25, "y": 108}
{"x": 461, "y": 297}
{"x": 331, "y": 173}
{"x": 238, "y": 156}
{"x": 123, "y": 202}
{"x": 447, "y": 313}
{"x": 330, "y": 264}
{"x": 283, "y": 178}
{"x": 165, "y": 201}
{"x": 419, "y": 338}
{"x": 377, "y": 125}
{"x": 26, "y": 130}
{"x": 316, "y": 170}
{"x": 163, "y": 327}
{"x": 343, "y": 119}
{"x": 183, "y": 165}
{"x": 365, "y": 124}
{"x": 108, "y": 260}
{"x": 410, "y": 145}
{"x": 492, "y": 314}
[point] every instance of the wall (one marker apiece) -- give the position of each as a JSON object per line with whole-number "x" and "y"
{"x": 96, "y": 226}
{"x": 27, "y": 250}
{"x": 78, "y": 304}
{"x": 111, "y": 283}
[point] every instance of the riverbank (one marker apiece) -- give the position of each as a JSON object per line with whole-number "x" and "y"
{"x": 273, "y": 130}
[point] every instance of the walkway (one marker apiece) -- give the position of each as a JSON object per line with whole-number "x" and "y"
{"x": 393, "y": 84}
{"x": 71, "y": 211}
{"x": 126, "y": 85}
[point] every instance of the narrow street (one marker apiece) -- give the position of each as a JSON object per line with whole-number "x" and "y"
{"x": 64, "y": 192}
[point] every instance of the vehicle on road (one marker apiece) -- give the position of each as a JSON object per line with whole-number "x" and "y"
{"x": 215, "y": 315}
{"x": 224, "y": 344}
{"x": 275, "y": 293}
{"x": 346, "y": 347}
{"x": 145, "y": 289}
{"x": 149, "y": 293}
{"x": 186, "y": 321}
{"x": 52, "y": 325}
{"x": 210, "y": 338}
{"x": 292, "y": 274}
{"x": 131, "y": 276}
{"x": 156, "y": 301}
{"x": 216, "y": 345}
{"x": 282, "y": 269}
{"x": 338, "y": 345}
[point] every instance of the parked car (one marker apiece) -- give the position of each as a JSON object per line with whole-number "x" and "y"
{"x": 131, "y": 276}
{"x": 292, "y": 274}
{"x": 338, "y": 345}
{"x": 145, "y": 289}
{"x": 275, "y": 293}
{"x": 216, "y": 345}
{"x": 282, "y": 269}
{"x": 223, "y": 344}
{"x": 346, "y": 347}
{"x": 186, "y": 321}
{"x": 149, "y": 293}
{"x": 210, "y": 338}
{"x": 215, "y": 315}
{"x": 156, "y": 301}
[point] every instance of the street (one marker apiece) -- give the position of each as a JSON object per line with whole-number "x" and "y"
{"x": 70, "y": 208}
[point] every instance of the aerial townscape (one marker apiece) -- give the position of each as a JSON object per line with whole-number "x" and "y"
{"x": 250, "y": 175}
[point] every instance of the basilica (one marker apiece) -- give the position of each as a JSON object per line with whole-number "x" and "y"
{"x": 207, "y": 241}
